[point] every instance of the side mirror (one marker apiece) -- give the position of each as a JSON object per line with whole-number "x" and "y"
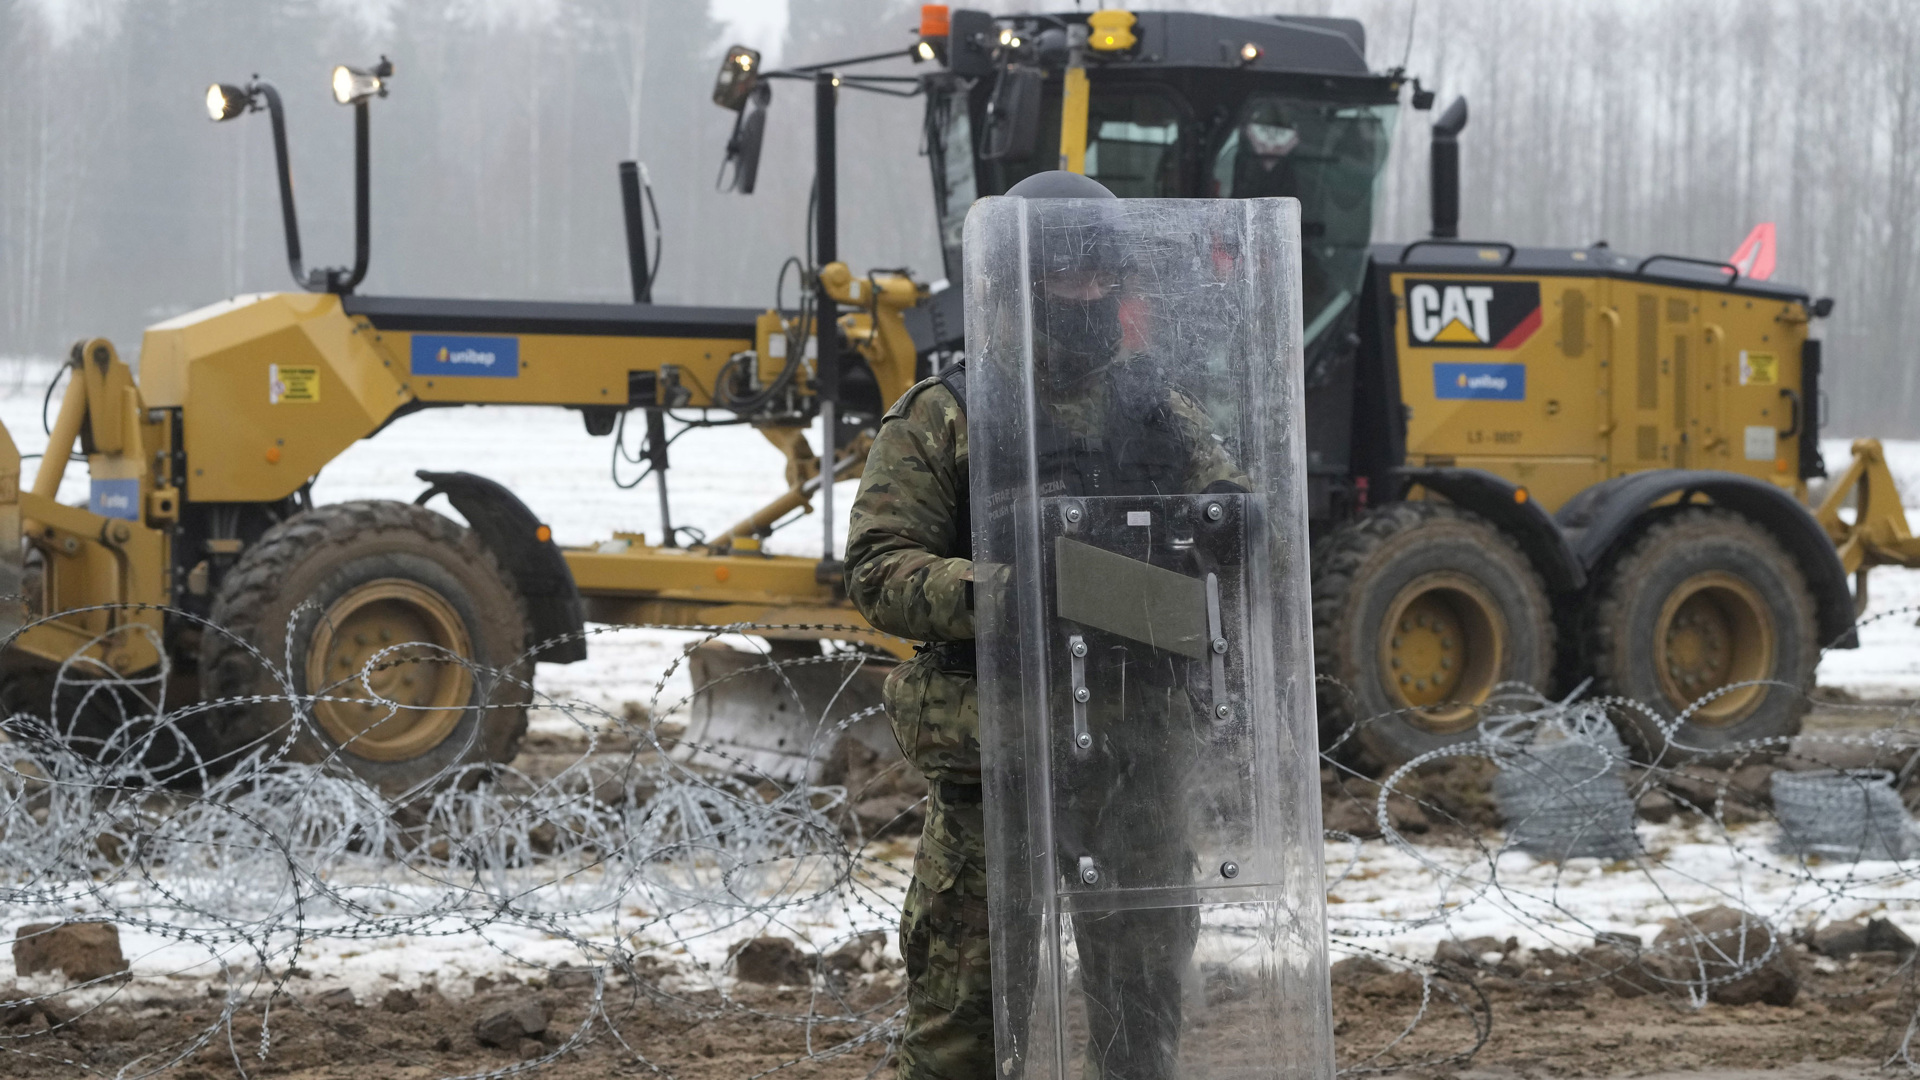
{"x": 743, "y": 148}
{"x": 1013, "y": 115}
{"x": 738, "y": 78}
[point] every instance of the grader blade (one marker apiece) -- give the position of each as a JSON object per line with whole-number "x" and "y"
{"x": 783, "y": 713}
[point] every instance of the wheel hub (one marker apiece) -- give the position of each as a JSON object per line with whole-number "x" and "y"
{"x": 1714, "y": 631}
{"x": 386, "y": 662}
{"x": 1440, "y": 650}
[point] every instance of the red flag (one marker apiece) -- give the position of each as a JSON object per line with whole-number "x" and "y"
{"x": 1755, "y": 257}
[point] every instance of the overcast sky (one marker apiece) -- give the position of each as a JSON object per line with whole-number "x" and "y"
{"x": 759, "y": 23}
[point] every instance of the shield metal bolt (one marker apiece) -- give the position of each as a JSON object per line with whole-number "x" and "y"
{"x": 1073, "y": 514}
{"x": 1080, "y": 694}
{"x": 1215, "y": 511}
{"x": 1220, "y": 645}
{"x": 1079, "y": 648}
{"x": 1088, "y": 873}
{"x": 1083, "y": 740}
{"x": 1229, "y": 869}
{"x": 1221, "y": 711}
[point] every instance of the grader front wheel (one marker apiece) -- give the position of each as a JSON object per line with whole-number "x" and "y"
{"x": 406, "y": 642}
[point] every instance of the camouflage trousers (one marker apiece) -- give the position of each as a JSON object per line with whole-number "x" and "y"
{"x": 943, "y": 938}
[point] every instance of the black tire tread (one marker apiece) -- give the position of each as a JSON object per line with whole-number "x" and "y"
{"x": 1604, "y": 644}
{"x": 1341, "y": 555}
{"x": 228, "y": 668}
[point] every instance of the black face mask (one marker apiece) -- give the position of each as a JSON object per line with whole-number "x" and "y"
{"x": 1075, "y": 338}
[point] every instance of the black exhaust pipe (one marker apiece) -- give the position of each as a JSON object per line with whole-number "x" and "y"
{"x": 1444, "y": 160}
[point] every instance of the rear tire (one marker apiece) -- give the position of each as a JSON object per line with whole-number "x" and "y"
{"x": 1701, "y": 600}
{"x": 353, "y": 583}
{"x": 1419, "y": 610}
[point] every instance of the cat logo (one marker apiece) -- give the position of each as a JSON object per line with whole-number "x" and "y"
{"x": 1472, "y": 314}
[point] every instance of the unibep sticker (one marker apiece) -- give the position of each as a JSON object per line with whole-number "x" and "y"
{"x": 292, "y": 385}
{"x": 465, "y": 356}
{"x": 1762, "y": 443}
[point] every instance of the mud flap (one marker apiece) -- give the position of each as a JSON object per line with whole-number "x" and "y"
{"x": 781, "y": 714}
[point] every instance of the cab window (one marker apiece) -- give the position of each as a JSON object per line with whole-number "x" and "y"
{"x": 1329, "y": 155}
{"x": 1134, "y": 141}
{"x": 1133, "y": 144}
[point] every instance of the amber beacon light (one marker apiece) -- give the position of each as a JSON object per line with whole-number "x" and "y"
{"x": 1110, "y": 31}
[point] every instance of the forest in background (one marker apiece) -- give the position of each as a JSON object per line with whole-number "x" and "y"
{"x": 1656, "y": 125}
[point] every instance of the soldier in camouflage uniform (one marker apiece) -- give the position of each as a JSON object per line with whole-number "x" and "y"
{"x": 909, "y": 571}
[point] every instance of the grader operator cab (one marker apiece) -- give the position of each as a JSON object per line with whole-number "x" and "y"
{"x": 1527, "y": 466}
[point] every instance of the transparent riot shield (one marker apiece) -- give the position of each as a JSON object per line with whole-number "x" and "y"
{"x": 1146, "y": 697}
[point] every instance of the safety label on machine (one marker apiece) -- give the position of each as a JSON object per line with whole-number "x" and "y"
{"x": 466, "y": 356}
{"x": 1758, "y": 368}
{"x": 292, "y": 385}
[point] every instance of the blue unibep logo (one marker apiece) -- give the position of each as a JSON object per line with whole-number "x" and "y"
{"x": 1480, "y": 382}
{"x": 115, "y": 499}
{"x": 464, "y": 356}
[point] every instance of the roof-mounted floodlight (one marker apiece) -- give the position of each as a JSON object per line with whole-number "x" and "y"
{"x": 226, "y": 101}
{"x": 352, "y": 85}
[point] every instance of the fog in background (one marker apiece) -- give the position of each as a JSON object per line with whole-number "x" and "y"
{"x": 1657, "y": 125}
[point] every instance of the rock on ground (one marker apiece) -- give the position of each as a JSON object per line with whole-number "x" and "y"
{"x": 1355, "y": 970}
{"x": 865, "y": 952}
{"x": 82, "y": 951}
{"x": 505, "y": 1024}
{"x": 1851, "y": 937}
{"x": 771, "y": 961}
{"x": 1724, "y": 946}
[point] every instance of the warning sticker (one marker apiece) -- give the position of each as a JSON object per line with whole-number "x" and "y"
{"x": 1758, "y": 368}
{"x": 292, "y": 385}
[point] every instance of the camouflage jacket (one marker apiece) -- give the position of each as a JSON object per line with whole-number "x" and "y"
{"x": 910, "y": 572}
{"x": 909, "y": 566}
{"x": 909, "y": 549}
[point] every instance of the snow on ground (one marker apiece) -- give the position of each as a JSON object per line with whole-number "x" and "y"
{"x": 1406, "y": 899}
{"x": 555, "y": 921}
{"x": 1887, "y": 663}
{"x": 1398, "y": 900}
{"x": 1411, "y": 897}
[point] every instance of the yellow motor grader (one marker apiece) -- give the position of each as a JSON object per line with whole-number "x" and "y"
{"x": 1528, "y": 465}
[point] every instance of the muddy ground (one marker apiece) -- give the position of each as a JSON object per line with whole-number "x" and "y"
{"x": 1533, "y": 1033}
